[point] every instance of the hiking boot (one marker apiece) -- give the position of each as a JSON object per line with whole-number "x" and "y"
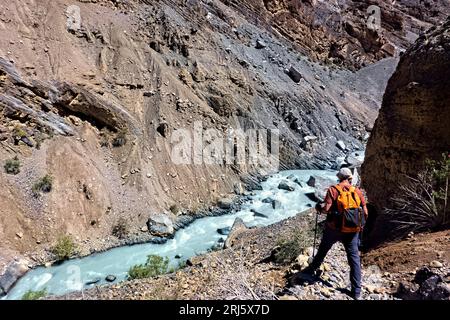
{"x": 356, "y": 296}
{"x": 309, "y": 271}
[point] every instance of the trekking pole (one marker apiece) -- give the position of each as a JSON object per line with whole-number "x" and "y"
{"x": 315, "y": 235}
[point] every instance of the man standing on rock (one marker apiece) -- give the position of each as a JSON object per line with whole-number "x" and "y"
{"x": 346, "y": 211}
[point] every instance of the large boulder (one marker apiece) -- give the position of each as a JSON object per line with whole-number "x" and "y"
{"x": 160, "y": 225}
{"x": 258, "y": 214}
{"x": 276, "y": 204}
{"x": 413, "y": 124}
{"x": 225, "y": 203}
{"x": 320, "y": 185}
{"x": 354, "y": 159}
{"x": 224, "y": 231}
{"x": 430, "y": 287}
{"x": 285, "y": 185}
{"x": 237, "y": 228}
{"x": 294, "y": 74}
{"x": 14, "y": 271}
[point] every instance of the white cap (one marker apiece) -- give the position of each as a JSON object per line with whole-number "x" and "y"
{"x": 344, "y": 174}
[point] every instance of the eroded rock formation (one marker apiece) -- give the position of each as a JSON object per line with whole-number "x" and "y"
{"x": 91, "y": 92}
{"x": 413, "y": 124}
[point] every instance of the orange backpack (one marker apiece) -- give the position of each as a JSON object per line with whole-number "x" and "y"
{"x": 350, "y": 210}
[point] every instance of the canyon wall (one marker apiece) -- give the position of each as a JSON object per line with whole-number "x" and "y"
{"x": 413, "y": 124}
{"x": 91, "y": 92}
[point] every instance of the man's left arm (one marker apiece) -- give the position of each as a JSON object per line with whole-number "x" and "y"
{"x": 363, "y": 203}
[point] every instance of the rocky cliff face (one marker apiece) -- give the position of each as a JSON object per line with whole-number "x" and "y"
{"x": 413, "y": 124}
{"x": 91, "y": 92}
{"x": 348, "y": 32}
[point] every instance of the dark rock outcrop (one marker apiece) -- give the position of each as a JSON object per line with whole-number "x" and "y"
{"x": 413, "y": 122}
{"x": 351, "y": 32}
{"x": 14, "y": 271}
{"x": 429, "y": 286}
{"x": 285, "y": 185}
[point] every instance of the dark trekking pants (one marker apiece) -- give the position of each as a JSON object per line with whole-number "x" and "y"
{"x": 350, "y": 242}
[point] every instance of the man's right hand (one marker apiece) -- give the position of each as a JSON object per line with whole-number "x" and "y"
{"x": 319, "y": 207}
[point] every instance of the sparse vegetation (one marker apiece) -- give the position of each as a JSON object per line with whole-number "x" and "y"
{"x": 34, "y": 295}
{"x": 160, "y": 291}
{"x": 155, "y": 265}
{"x": 44, "y": 184}
{"x": 12, "y": 166}
{"x": 19, "y": 133}
{"x": 236, "y": 281}
{"x": 120, "y": 229}
{"x": 181, "y": 265}
{"x": 174, "y": 209}
{"x": 422, "y": 203}
{"x": 120, "y": 139}
{"x": 64, "y": 248}
{"x": 289, "y": 248}
{"x": 39, "y": 137}
{"x": 104, "y": 140}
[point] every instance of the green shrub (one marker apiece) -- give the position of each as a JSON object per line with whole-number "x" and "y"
{"x": 43, "y": 185}
{"x": 64, "y": 248}
{"x": 120, "y": 229}
{"x": 181, "y": 265}
{"x": 104, "y": 141}
{"x": 154, "y": 266}
{"x": 288, "y": 249}
{"x": 440, "y": 172}
{"x": 39, "y": 137}
{"x": 12, "y": 166}
{"x": 422, "y": 202}
{"x": 174, "y": 209}
{"x": 19, "y": 133}
{"x": 34, "y": 295}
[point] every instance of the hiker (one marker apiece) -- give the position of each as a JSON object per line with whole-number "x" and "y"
{"x": 346, "y": 211}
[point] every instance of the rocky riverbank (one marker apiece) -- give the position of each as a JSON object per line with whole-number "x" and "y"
{"x": 18, "y": 266}
{"x": 246, "y": 270}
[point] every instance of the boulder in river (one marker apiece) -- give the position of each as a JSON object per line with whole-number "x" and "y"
{"x": 293, "y": 178}
{"x": 276, "y": 204}
{"x": 225, "y": 203}
{"x": 267, "y": 200}
{"x": 224, "y": 231}
{"x": 14, "y": 271}
{"x": 110, "y": 278}
{"x": 284, "y": 185}
{"x": 93, "y": 281}
{"x": 160, "y": 225}
{"x": 258, "y": 214}
{"x": 320, "y": 185}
